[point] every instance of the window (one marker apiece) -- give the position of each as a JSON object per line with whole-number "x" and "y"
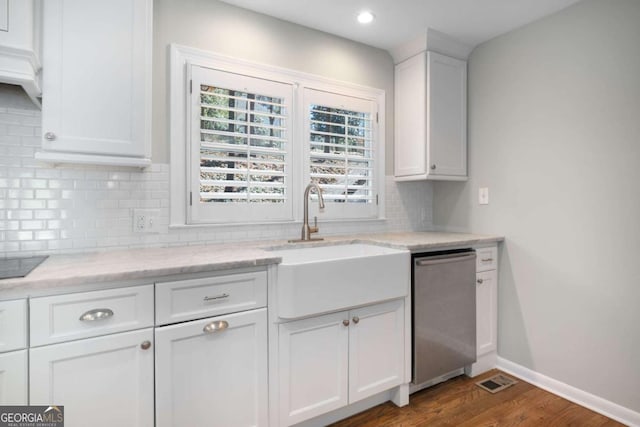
{"x": 247, "y": 138}
{"x": 341, "y": 152}
{"x": 239, "y": 148}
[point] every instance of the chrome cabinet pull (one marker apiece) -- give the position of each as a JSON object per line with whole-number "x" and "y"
{"x": 50, "y": 136}
{"x": 221, "y": 296}
{"x": 217, "y": 326}
{"x": 145, "y": 345}
{"x": 96, "y": 314}
{"x": 433, "y": 167}
{"x": 345, "y": 322}
{"x": 356, "y": 319}
{"x": 479, "y": 281}
{"x": 486, "y": 259}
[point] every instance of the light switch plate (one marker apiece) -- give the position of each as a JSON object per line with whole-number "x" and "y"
{"x": 483, "y": 195}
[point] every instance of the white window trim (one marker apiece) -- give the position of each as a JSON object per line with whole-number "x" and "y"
{"x": 179, "y": 58}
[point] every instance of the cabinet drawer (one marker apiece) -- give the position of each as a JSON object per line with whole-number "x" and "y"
{"x": 13, "y": 325}
{"x": 89, "y": 314}
{"x": 486, "y": 259}
{"x": 211, "y": 296}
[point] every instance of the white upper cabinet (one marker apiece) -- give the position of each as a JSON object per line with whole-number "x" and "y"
{"x": 431, "y": 118}
{"x": 4, "y": 15}
{"x": 97, "y": 82}
{"x": 20, "y": 45}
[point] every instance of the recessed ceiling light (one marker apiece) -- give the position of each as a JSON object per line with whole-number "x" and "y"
{"x": 365, "y": 17}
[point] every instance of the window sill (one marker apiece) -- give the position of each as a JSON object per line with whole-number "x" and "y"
{"x": 276, "y": 223}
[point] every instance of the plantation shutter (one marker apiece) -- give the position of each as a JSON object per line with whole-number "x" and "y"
{"x": 240, "y": 148}
{"x": 340, "y": 138}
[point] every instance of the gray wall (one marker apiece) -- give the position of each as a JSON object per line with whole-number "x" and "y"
{"x": 554, "y": 132}
{"x": 226, "y": 29}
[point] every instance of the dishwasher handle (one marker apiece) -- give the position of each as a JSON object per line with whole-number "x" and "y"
{"x": 444, "y": 259}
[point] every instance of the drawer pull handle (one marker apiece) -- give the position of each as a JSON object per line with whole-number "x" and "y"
{"x": 480, "y": 281}
{"x": 146, "y": 345}
{"x": 356, "y": 319}
{"x": 96, "y": 314}
{"x": 345, "y": 322}
{"x": 221, "y": 296}
{"x": 217, "y": 326}
{"x": 487, "y": 259}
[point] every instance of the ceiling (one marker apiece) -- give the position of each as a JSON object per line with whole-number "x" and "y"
{"x": 398, "y": 21}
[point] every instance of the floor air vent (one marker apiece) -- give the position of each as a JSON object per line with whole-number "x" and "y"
{"x": 496, "y": 383}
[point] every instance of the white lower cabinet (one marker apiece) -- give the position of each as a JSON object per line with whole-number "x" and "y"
{"x": 105, "y": 381}
{"x": 376, "y": 343}
{"x": 13, "y": 325}
{"x": 487, "y": 312}
{"x": 330, "y": 361}
{"x": 213, "y": 372}
{"x": 314, "y": 366}
{"x": 13, "y": 378}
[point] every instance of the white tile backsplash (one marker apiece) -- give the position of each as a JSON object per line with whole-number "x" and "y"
{"x": 46, "y": 209}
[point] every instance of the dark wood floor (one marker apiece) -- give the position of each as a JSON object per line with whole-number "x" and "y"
{"x": 459, "y": 402}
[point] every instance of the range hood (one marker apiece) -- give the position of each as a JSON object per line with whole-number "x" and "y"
{"x": 20, "y": 45}
{"x": 23, "y": 71}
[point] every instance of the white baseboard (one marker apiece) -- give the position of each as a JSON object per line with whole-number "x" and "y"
{"x": 588, "y": 400}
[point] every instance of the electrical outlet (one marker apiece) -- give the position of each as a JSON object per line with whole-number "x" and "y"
{"x": 483, "y": 195}
{"x": 146, "y": 220}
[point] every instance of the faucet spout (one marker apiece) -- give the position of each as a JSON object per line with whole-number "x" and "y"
{"x": 318, "y": 192}
{"x": 306, "y": 229}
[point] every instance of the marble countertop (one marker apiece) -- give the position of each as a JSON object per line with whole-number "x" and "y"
{"x": 77, "y": 272}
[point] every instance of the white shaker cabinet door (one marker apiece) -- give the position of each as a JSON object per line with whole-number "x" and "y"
{"x": 447, "y": 116}
{"x": 376, "y": 349}
{"x": 487, "y": 312}
{"x": 13, "y": 378}
{"x": 213, "y": 372}
{"x": 13, "y": 325}
{"x": 102, "y": 382}
{"x": 313, "y": 359}
{"x": 97, "y": 79}
{"x": 4, "y": 15}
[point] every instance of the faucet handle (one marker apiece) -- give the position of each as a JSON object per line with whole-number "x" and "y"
{"x": 315, "y": 228}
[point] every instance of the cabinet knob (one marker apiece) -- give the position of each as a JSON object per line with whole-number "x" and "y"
{"x": 479, "y": 281}
{"x": 433, "y": 167}
{"x": 345, "y": 322}
{"x": 356, "y": 319}
{"x": 50, "y": 136}
{"x": 146, "y": 345}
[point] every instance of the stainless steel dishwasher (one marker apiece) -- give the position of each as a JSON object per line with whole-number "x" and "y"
{"x": 444, "y": 314}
